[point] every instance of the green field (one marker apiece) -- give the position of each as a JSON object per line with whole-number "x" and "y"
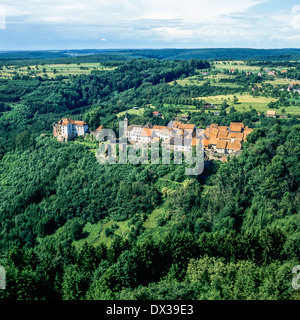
{"x": 52, "y": 70}
{"x": 212, "y": 79}
{"x": 217, "y": 73}
{"x": 239, "y": 65}
{"x": 95, "y": 233}
{"x": 242, "y": 98}
{"x": 280, "y": 81}
{"x": 193, "y": 80}
{"x": 246, "y": 101}
{"x": 131, "y": 111}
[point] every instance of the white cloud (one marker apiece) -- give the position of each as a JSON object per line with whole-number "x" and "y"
{"x": 296, "y": 17}
{"x": 99, "y": 11}
{"x": 2, "y": 17}
{"x": 165, "y": 21}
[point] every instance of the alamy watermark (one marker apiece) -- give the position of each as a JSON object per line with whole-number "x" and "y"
{"x": 152, "y": 147}
{"x": 2, "y": 278}
{"x": 295, "y": 284}
{"x": 2, "y": 18}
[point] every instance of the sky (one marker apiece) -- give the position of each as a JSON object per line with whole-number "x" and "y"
{"x": 120, "y": 24}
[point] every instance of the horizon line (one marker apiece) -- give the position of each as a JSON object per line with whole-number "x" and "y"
{"x": 163, "y": 48}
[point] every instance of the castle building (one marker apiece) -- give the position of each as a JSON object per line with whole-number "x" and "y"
{"x": 67, "y": 129}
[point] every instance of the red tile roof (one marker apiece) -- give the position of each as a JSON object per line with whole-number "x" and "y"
{"x": 237, "y": 124}
{"x": 213, "y": 141}
{"x": 155, "y": 127}
{"x": 205, "y": 142}
{"x": 146, "y": 132}
{"x": 213, "y": 133}
{"x": 222, "y": 134}
{"x": 67, "y": 121}
{"x": 221, "y": 144}
{"x": 236, "y": 128}
{"x": 80, "y": 123}
{"x": 234, "y": 146}
{"x": 185, "y": 126}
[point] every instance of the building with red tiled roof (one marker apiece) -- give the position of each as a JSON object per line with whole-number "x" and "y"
{"x": 236, "y": 136}
{"x": 156, "y": 127}
{"x": 223, "y": 139}
{"x": 146, "y": 135}
{"x": 80, "y": 123}
{"x": 185, "y": 126}
{"x": 233, "y": 147}
{"x": 67, "y": 129}
{"x": 236, "y": 128}
{"x": 223, "y": 134}
{"x": 213, "y": 142}
{"x": 237, "y": 124}
{"x": 205, "y": 143}
{"x": 156, "y": 113}
{"x": 221, "y": 146}
{"x": 213, "y": 133}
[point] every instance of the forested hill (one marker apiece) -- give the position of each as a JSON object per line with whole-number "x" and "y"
{"x": 170, "y": 54}
{"x": 71, "y": 228}
{"x": 233, "y": 236}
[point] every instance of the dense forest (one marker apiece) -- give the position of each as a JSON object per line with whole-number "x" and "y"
{"x": 231, "y": 233}
{"x": 169, "y": 54}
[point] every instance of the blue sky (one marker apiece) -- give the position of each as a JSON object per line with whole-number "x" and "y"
{"x": 114, "y": 24}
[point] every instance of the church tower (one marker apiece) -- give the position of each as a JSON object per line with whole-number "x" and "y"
{"x": 126, "y": 122}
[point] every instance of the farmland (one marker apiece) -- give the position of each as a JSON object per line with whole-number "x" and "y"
{"x": 236, "y": 65}
{"x": 51, "y": 70}
{"x": 255, "y": 87}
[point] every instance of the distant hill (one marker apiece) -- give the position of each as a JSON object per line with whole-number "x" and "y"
{"x": 95, "y": 55}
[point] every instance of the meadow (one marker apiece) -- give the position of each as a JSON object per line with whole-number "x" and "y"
{"x": 52, "y": 70}
{"x": 131, "y": 111}
{"x": 237, "y": 65}
{"x": 97, "y": 233}
{"x": 246, "y": 102}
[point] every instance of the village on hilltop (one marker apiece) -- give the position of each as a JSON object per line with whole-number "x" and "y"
{"x": 225, "y": 139}
{"x": 178, "y": 136}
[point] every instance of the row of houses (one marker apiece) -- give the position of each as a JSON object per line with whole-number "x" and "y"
{"x": 225, "y": 139}
{"x": 182, "y": 136}
{"x": 175, "y": 136}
